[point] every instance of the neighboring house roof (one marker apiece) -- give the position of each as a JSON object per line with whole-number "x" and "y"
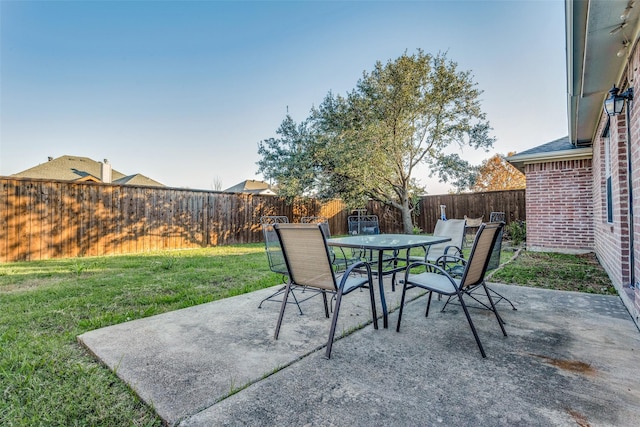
{"x": 137, "y": 179}
{"x": 74, "y": 168}
{"x": 252, "y": 186}
{"x": 559, "y": 149}
{"x": 595, "y": 35}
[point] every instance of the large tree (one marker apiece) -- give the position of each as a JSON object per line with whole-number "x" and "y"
{"x": 368, "y": 143}
{"x": 495, "y": 174}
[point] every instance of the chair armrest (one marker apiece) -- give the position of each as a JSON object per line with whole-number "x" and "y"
{"x": 446, "y": 262}
{"x": 454, "y": 250}
{"x": 447, "y": 259}
{"x": 351, "y": 269}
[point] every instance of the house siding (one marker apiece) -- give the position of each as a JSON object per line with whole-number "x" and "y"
{"x": 559, "y": 206}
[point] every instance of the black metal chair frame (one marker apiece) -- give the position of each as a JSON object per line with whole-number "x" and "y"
{"x": 458, "y": 267}
{"x": 339, "y": 286}
{"x": 437, "y": 279}
{"x": 276, "y": 261}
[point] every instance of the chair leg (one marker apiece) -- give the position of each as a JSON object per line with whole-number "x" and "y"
{"x": 373, "y": 306}
{"x": 473, "y": 328}
{"x": 445, "y": 304}
{"x": 326, "y": 304}
{"x": 404, "y": 292}
{"x": 334, "y": 323}
{"x": 280, "y": 291}
{"x": 495, "y": 311}
{"x": 295, "y": 299}
{"x": 426, "y": 314}
{"x": 502, "y": 297}
{"x": 284, "y": 305}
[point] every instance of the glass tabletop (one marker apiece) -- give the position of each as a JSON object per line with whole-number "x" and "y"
{"x": 386, "y": 241}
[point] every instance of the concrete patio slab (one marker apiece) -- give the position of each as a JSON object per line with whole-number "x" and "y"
{"x": 186, "y": 360}
{"x": 570, "y": 359}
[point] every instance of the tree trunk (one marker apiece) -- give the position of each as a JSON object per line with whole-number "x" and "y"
{"x": 407, "y": 221}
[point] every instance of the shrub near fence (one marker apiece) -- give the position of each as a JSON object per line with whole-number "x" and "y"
{"x": 42, "y": 219}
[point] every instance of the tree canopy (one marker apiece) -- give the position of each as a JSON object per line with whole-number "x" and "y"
{"x": 495, "y": 174}
{"x": 368, "y": 143}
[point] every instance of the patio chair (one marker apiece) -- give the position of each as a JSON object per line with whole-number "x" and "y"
{"x": 309, "y": 264}
{"x": 452, "y": 228}
{"x": 437, "y": 279}
{"x": 497, "y": 217}
{"x": 363, "y": 224}
{"x": 276, "y": 259}
{"x": 456, "y": 268}
{"x": 368, "y": 225}
{"x": 471, "y": 228}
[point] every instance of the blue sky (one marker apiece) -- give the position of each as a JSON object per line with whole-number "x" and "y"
{"x": 183, "y": 91}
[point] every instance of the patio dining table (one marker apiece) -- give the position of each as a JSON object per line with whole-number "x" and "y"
{"x": 382, "y": 243}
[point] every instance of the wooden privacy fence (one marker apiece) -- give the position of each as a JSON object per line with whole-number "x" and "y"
{"x": 474, "y": 205}
{"x": 42, "y": 219}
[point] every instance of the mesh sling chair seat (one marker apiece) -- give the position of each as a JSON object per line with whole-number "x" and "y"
{"x": 276, "y": 260}
{"x": 437, "y": 279}
{"x": 309, "y": 263}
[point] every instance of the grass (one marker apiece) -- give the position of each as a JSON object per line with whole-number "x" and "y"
{"x": 581, "y": 273}
{"x": 49, "y": 379}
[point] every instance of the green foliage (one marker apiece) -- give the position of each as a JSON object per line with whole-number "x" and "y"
{"x": 368, "y": 143}
{"x": 288, "y": 159}
{"x": 581, "y": 273}
{"x": 48, "y": 379}
{"x": 516, "y": 232}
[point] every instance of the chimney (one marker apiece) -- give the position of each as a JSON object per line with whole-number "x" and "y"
{"x": 105, "y": 172}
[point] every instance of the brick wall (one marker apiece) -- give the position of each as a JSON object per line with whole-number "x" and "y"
{"x": 559, "y": 206}
{"x": 613, "y": 240}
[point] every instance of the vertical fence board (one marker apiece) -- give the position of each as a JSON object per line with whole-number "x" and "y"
{"x": 4, "y": 218}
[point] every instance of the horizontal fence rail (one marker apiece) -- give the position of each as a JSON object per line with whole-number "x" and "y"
{"x": 41, "y": 219}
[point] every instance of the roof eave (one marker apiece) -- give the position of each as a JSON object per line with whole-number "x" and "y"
{"x": 520, "y": 160}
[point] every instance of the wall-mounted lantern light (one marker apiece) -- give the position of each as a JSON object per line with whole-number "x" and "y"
{"x": 614, "y": 104}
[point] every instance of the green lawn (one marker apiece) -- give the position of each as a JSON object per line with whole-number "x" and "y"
{"x": 49, "y": 379}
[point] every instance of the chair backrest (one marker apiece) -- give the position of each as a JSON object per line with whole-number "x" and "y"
{"x": 483, "y": 244}
{"x": 363, "y": 224}
{"x": 306, "y": 254}
{"x": 273, "y": 219}
{"x": 452, "y": 228}
{"x": 497, "y": 217}
{"x": 473, "y": 222}
{"x": 272, "y": 243}
{"x": 494, "y": 260}
{"x": 323, "y": 221}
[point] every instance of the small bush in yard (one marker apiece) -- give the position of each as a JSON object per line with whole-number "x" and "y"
{"x": 516, "y": 232}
